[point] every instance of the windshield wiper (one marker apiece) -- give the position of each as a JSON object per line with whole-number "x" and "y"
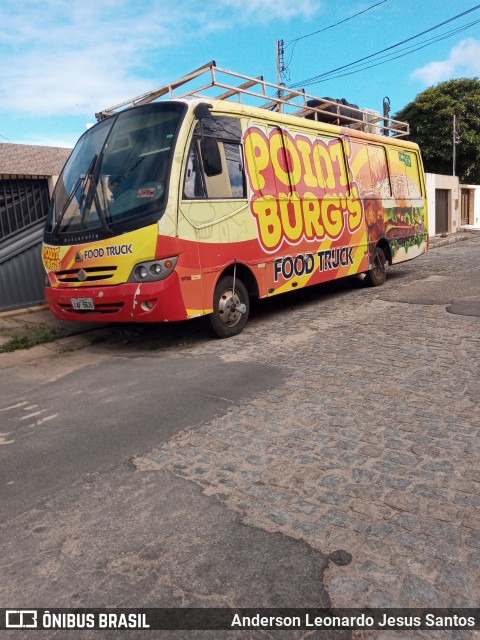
{"x": 100, "y": 212}
{"x": 82, "y": 178}
{"x": 92, "y": 196}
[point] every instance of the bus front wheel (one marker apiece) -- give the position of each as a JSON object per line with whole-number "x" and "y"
{"x": 231, "y": 307}
{"x": 377, "y": 275}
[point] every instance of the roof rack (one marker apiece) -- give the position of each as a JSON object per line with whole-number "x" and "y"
{"x": 266, "y": 96}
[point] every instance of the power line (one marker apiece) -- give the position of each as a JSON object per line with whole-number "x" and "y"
{"x": 5, "y": 138}
{"x": 314, "y": 79}
{"x": 296, "y": 40}
{"x": 335, "y": 24}
{"x": 356, "y": 62}
{"x": 390, "y": 57}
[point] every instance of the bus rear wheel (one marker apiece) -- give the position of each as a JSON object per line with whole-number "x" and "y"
{"x": 231, "y": 307}
{"x": 377, "y": 275}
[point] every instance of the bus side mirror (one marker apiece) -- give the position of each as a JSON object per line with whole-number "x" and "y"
{"x": 202, "y": 110}
{"x": 212, "y": 161}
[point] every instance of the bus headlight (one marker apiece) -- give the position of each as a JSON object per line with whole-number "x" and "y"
{"x": 153, "y": 270}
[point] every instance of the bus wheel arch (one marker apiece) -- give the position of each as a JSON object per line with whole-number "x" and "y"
{"x": 243, "y": 273}
{"x": 385, "y": 247}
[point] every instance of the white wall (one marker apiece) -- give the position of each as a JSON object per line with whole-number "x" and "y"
{"x": 451, "y": 183}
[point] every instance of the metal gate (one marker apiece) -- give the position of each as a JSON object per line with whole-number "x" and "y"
{"x": 23, "y": 206}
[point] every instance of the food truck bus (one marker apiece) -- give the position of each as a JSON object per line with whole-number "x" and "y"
{"x": 177, "y": 206}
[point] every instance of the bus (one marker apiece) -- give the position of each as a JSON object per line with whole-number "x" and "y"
{"x": 173, "y": 207}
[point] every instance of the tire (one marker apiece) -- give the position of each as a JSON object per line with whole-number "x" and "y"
{"x": 226, "y": 321}
{"x": 376, "y": 276}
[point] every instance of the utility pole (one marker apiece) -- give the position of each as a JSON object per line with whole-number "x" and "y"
{"x": 280, "y": 66}
{"x": 455, "y": 141}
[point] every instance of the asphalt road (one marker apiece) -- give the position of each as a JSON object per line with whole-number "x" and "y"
{"x": 109, "y": 411}
{"x": 157, "y": 467}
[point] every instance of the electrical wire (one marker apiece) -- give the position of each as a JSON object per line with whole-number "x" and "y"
{"x": 317, "y": 78}
{"x": 296, "y": 40}
{"x": 390, "y": 57}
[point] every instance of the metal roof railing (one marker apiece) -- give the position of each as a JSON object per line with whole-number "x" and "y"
{"x": 205, "y": 81}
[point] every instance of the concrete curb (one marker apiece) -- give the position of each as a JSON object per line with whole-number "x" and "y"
{"x": 22, "y": 310}
{"x": 462, "y": 234}
{"x": 448, "y": 240}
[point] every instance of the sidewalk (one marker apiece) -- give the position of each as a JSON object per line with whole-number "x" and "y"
{"x": 25, "y": 328}
{"x": 449, "y": 238}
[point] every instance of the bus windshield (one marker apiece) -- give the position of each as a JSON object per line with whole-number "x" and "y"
{"x": 117, "y": 172}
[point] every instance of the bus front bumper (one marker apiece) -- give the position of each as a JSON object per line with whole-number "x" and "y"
{"x": 130, "y": 302}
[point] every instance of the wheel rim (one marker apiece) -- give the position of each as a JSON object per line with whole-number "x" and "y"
{"x": 227, "y": 308}
{"x": 379, "y": 266}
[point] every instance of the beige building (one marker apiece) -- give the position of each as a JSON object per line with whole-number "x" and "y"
{"x": 451, "y": 205}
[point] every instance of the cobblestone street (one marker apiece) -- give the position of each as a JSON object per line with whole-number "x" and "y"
{"x": 370, "y": 447}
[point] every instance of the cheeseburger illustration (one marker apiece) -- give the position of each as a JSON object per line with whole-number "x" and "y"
{"x": 404, "y": 215}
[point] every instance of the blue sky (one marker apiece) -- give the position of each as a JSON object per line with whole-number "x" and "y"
{"x": 61, "y": 61}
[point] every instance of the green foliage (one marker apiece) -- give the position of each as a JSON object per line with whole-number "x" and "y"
{"x": 430, "y": 117}
{"x": 37, "y": 335}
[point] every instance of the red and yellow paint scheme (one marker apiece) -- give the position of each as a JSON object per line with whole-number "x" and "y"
{"x": 320, "y": 198}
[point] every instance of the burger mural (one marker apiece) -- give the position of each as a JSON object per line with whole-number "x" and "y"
{"x": 405, "y": 222}
{"x": 393, "y": 205}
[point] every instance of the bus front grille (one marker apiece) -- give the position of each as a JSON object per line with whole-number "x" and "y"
{"x": 87, "y": 274}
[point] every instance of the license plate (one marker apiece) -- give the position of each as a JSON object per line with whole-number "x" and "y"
{"x": 82, "y": 304}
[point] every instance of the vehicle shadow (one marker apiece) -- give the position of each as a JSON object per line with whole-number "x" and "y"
{"x": 191, "y": 333}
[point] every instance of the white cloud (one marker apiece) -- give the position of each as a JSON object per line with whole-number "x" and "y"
{"x": 78, "y": 57}
{"x": 63, "y": 141}
{"x": 79, "y": 82}
{"x": 463, "y": 60}
{"x": 75, "y": 57}
{"x": 267, "y": 10}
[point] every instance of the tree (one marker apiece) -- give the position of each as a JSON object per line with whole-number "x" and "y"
{"x": 430, "y": 117}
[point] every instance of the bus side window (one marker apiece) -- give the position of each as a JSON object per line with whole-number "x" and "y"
{"x": 371, "y": 170}
{"x": 405, "y": 175}
{"x": 380, "y": 179}
{"x": 193, "y": 187}
{"x": 235, "y": 167}
{"x": 360, "y": 167}
{"x": 230, "y": 183}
